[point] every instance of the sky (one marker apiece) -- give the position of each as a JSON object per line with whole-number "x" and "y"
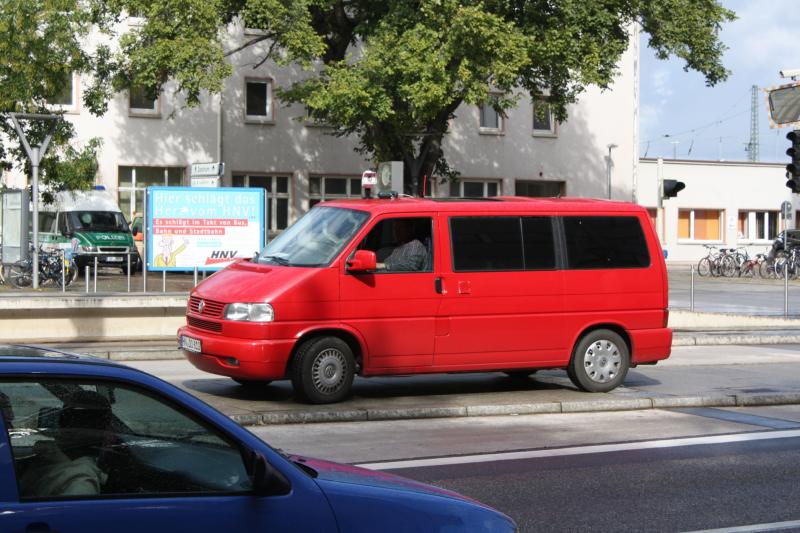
{"x": 713, "y": 123}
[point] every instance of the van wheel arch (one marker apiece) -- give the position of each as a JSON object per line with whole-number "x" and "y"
{"x": 349, "y": 338}
{"x": 600, "y": 344}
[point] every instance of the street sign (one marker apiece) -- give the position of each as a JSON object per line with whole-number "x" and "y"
{"x": 207, "y": 169}
{"x": 205, "y": 181}
{"x": 783, "y": 104}
{"x": 786, "y": 210}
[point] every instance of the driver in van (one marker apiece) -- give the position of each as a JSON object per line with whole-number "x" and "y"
{"x": 408, "y": 253}
{"x": 67, "y": 466}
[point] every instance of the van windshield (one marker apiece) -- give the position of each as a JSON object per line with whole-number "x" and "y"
{"x": 101, "y": 221}
{"x": 315, "y": 239}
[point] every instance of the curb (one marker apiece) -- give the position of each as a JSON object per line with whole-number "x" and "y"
{"x": 705, "y": 339}
{"x": 554, "y": 407}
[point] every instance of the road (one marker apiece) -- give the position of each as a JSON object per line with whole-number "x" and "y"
{"x": 658, "y": 470}
{"x": 732, "y": 295}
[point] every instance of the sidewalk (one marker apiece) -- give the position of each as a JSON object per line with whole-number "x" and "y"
{"x": 167, "y": 348}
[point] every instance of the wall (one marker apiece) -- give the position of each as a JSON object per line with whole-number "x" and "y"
{"x": 731, "y": 187}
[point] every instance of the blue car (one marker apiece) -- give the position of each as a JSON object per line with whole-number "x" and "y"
{"x": 94, "y": 446}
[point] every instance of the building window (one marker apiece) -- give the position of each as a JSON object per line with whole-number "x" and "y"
{"x": 539, "y": 189}
{"x": 134, "y": 180}
{"x": 544, "y": 125}
{"x": 67, "y": 98}
{"x": 142, "y": 104}
{"x": 491, "y": 120}
{"x": 470, "y": 188}
{"x": 276, "y": 192}
{"x": 758, "y": 225}
{"x": 700, "y": 224}
{"x": 258, "y": 104}
{"x": 321, "y": 188}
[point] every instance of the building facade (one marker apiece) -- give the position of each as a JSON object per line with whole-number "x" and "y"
{"x": 725, "y": 204}
{"x": 265, "y": 143}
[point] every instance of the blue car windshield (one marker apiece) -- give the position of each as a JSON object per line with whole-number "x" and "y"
{"x": 314, "y": 240}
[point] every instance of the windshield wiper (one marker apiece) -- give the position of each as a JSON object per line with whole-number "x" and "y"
{"x": 277, "y": 259}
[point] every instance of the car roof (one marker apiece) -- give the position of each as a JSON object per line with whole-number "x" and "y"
{"x": 32, "y": 353}
{"x": 494, "y": 204}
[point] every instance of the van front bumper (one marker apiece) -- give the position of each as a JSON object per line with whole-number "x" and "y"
{"x": 238, "y": 358}
{"x": 650, "y": 345}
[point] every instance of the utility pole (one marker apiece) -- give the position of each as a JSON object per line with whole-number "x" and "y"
{"x": 35, "y": 154}
{"x": 753, "y": 145}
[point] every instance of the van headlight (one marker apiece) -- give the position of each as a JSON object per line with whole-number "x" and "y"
{"x": 87, "y": 249}
{"x": 249, "y": 312}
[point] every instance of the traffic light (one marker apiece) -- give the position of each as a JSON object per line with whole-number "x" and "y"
{"x": 672, "y": 188}
{"x": 793, "y": 168}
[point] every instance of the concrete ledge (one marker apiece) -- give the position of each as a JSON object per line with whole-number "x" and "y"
{"x": 694, "y": 401}
{"x": 416, "y": 412}
{"x": 749, "y": 400}
{"x": 94, "y": 301}
{"x": 311, "y": 415}
{"x": 716, "y": 339}
{"x": 518, "y": 409}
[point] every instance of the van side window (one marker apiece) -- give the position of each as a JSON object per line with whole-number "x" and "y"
{"x": 537, "y": 234}
{"x": 486, "y": 243}
{"x": 605, "y": 242}
{"x": 401, "y": 244}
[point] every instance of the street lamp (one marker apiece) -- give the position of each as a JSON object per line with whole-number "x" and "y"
{"x": 608, "y": 168}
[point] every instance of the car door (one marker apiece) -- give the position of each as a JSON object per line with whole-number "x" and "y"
{"x": 502, "y": 299}
{"x": 159, "y": 467}
{"x": 394, "y": 311}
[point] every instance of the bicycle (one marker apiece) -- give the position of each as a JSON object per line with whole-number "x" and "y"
{"x": 54, "y": 268}
{"x": 708, "y": 265}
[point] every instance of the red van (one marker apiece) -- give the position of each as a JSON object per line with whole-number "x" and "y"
{"x": 409, "y": 286}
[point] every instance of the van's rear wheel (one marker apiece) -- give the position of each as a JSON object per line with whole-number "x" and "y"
{"x": 323, "y": 370}
{"x": 599, "y": 362}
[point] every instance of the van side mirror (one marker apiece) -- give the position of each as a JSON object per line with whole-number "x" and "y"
{"x": 362, "y": 261}
{"x": 267, "y": 481}
{"x": 135, "y": 232}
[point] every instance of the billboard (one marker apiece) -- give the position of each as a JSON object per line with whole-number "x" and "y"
{"x": 203, "y": 228}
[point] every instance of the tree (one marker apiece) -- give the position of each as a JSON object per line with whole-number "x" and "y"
{"x": 44, "y": 45}
{"x": 393, "y": 72}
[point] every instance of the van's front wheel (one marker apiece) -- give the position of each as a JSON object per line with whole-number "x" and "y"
{"x": 600, "y": 361}
{"x": 323, "y": 370}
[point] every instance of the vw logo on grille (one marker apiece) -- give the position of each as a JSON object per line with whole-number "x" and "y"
{"x": 201, "y": 306}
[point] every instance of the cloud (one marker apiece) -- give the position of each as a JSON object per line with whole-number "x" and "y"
{"x": 660, "y": 82}
{"x": 763, "y": 35}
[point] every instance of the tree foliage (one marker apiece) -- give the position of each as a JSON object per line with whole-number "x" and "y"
{"x": 390, "y": 72}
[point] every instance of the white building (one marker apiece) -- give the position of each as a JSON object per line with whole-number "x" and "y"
{"x": 725, "y": 204}
{"x": 266, "y": 144}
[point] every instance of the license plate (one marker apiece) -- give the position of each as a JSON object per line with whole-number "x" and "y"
{"x": 113, "y": 259}
{"x": 191, "y": 344}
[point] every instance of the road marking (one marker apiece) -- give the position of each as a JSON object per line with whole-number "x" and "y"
{"x": 775, "y": 526}
{"x": 581, "y": 450}
{"x": 739, "y": 417}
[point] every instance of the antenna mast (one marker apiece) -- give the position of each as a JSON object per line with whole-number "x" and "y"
{"x": 752, "y": 146}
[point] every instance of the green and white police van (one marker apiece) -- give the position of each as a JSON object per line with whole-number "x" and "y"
{"x": 91, "y": 225}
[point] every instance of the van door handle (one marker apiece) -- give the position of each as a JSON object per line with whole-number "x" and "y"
{"x": 437, "y": 283}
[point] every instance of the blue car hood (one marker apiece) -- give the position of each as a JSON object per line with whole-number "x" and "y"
{"x": 365, "y": 501}
{"x": 341, "y": 473}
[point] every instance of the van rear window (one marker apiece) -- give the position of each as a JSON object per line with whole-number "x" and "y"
{"x": 605, "y": 242}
